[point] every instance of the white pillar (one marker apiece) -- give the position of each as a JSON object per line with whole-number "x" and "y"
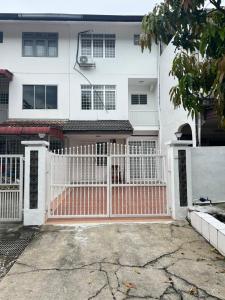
{"x": 178, "y": 212}
{"x": 35, "y": 212}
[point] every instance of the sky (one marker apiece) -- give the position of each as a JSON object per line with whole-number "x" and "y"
{"x": 118, "y": 7}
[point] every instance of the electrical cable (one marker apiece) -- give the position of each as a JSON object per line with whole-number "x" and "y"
{"x": 78, "y": 71}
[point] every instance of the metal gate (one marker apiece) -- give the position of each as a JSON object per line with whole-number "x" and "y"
{"x": 107, "y": 180}
{"x": 11, "y": 188}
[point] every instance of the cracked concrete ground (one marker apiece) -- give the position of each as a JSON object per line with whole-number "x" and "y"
{"x": 115, "y": 262}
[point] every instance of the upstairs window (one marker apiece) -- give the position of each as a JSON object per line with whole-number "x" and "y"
{"x": 98, "y": 45}
{"x": 40, "y": 44}
{"x": 39, "y": 97}
{"x": 139, "y": 99}
{"x": 98, "y": 97}
{"x": 136, "y": 39}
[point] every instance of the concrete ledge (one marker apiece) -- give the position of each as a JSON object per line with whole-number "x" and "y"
{"x": 35, "y": 143}
{"x": 210, "y": 228}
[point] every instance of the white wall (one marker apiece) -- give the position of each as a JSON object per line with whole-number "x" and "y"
{"x": 128, "y": 63}
{"x": 144, "y": 116}
{"x": 208, "y": 170}
{"x": 170, "y": 119}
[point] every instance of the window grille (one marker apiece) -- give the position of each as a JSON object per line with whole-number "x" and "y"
{"x": 4, "y": 91}
{"x": 98, "y": 97}
{"x": 139, "y": 99}
{"x": 98, "y": 45}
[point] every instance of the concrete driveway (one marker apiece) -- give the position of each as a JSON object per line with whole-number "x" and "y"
{"x": 117, "y": 261}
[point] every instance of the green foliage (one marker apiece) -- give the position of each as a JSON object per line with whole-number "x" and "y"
{"x": 199, "y": 36}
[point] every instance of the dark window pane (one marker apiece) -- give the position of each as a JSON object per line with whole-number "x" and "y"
{"x": 39, "y": 96}
{"x": 98, "y": 48}
{"x": 28, "y": 47}
{"x": 28, "y": 97}
{"x": 110, "y": 48}
{"x": 98, "y": 100}
{"x": 143, "y": 99}
{"x": 41, "y": 48}
{"x": 136, "y": 39}
{"x": 86, "y": 100}
{"x": 52, "y": 48}
{"x": 40, "y": 44}
{"x": 51, "y": 97}
{"x": 134, "y": 99}
{"x": 1, "y": 37}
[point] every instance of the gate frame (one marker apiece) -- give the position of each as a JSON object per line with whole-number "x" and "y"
{"x": 18, "y": 191}
{"x": 67, "y": 154}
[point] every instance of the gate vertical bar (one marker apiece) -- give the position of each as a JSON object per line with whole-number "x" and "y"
{"x": 109, "y": 185}
{"x": 21, "y": 187}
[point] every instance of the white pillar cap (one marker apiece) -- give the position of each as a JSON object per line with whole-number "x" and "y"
{"x": 178, "y": 143}
{"x": 35, "y": 143}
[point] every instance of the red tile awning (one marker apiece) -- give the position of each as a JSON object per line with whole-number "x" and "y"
{"x": 19, "y": 130}
{"x": 6, "y": 74}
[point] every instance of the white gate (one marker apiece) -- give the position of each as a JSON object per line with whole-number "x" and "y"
{"x": 107, "y": 180}
{"x": 11, "y": 188}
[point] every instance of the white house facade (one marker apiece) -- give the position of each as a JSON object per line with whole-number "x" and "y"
{"x": 81, "y": 83}
{"x": 76, "y": 79}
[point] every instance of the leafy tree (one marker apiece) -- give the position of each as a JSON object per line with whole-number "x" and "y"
{"x": 199, "y": 66}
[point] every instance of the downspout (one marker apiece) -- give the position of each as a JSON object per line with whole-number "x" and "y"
{"x": 158, "y": 96}
{"x": 198, "y": 129}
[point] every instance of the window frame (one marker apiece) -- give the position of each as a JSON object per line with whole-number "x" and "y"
{"x": 1, "y": 37}
{"x": 139, "y": 98}
{"x": 98, "y": 37}
{"x": 34, "y": 106}
{"x": 104, "y": 89}
{"x": 46, "y": 37}
{"x": 135, "y": 37}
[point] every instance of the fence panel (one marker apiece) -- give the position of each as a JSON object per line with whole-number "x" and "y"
{"x": 11, "y": 188}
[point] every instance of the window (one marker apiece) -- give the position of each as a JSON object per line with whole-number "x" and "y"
{"x": 40, "y": 44}
{"x": 143, "y": 166}
{"x": 139, "y": 99}
{"x": 136, "y": 39}
{"x": 4, "y": 91}
{"x": 1, "y": 36}
{"x": 98, "y": 97}
{"x": 39, "y": 97}
{"x": 98, "y": 45}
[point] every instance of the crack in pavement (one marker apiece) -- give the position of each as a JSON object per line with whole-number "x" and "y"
{"x": 176, "y": 286}
{"x": 98, "y": 292}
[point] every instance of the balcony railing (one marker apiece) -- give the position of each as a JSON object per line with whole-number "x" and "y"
{"x": 144, "y": 117}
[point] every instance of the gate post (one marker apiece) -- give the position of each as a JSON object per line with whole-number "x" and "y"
{"x": 35, "y": 182}
{"x": 179, "y": 178}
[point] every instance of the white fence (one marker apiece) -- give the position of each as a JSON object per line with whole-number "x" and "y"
{"x": 107, "y": 180}
{"x": 11, "y": 187}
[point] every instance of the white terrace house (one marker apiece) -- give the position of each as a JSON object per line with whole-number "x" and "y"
{"x": 75, "y": 80}
{"x": 80, "y": 82}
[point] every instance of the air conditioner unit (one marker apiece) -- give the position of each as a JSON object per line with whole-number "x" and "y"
{"x": 86, "y": 62}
